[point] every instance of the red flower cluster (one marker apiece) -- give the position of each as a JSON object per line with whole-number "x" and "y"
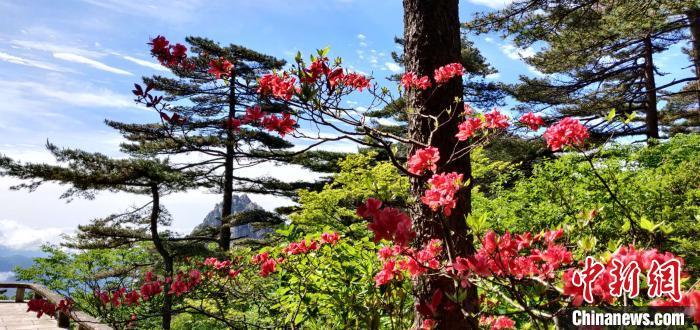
{"x": 183, "y": 283}
{"x": 223, "y": 266}
{"x": 603, "y": 283}
{"x": 254, "y": 114}
{"x": 356, "y": 81}
{"x": 387, "y": 223}
{"x": 282, "y": 87}
{"x": 169, "y": 55}
{"x": 509, "y": 255}
{"x": 690, "y": 300}
{"x": 414, "y": 262}
{"x": 330, "y": 238}
{"x": 468, "y": 128}
{"x": 42, "y": 306}
{"x": 282, "y": 125}
{"x": 497, "y": 323}
{"x": 410, "y": 80}
{"x": 267, "y": 264}
{"x": 317, "y": 68}
{"x": 495, "y": 119}
{"x": 302, "y": 247}
{"x": 151, "y": 286}
{"x": 532, "y": 121}
{"x": 566, "y": 132}
{"x": 441, "y": 193}
{"x": 220, "y": 67}
{"x": 447, "y": 72}
{"x": 424, "y": 159}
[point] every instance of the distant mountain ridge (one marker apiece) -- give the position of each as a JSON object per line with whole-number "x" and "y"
{"x": 240, "y": 203}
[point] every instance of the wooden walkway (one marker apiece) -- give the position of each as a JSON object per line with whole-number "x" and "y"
{"x": 14, "y": 316}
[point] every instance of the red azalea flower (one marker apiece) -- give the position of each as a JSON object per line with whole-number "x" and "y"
{"x": 220, "y": 67}
{"x": 496, "y": 119}
{"x": 441, "y": 193}
{"x": 468, "y": 128}
{"x": 410, "y": 80}
{"x": 330, "y": 238}
{"x": 566, "y": 132}
{"x": 532, "y": 121}
{"x": 447, "y": 72}
{"x": 424, "y": 159}
{"x": 370, "y": 208}
{"x": 356, "y": 81}
{"x": 253, "y": 114}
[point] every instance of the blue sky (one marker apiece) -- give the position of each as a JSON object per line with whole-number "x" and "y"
{"x": 66, "y": 66}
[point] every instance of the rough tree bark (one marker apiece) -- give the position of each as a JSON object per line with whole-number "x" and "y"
{"x": 166, "y": 309}
{"x": 225, "y": 230}
{"x": 694, "y": 20}
{"x": 652, "y": 114}
{"x": 432, "y": 39}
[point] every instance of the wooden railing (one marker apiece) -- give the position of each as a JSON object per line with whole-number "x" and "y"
{"x": 82, "y": 320}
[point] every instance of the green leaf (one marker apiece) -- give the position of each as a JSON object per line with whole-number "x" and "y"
{"x": 626, "y": 226}
{"x": 611, "y": 115}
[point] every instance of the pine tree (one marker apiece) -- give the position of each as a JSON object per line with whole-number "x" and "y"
{"x": 212, "y": 109}
{"x": 597, "y": 56}
{"x": 88, "y": 173}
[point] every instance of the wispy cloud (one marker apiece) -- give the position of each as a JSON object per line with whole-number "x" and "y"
{"x": 90, "y": 62}
{"x": 361, "y": 36}
{"x": 148, "y": 64}
{"x": 84, "y": 97}
{"x": 54, "y": 48}
{"x": 516, "y": 53}
{"x": 166, "y": 10}
{"x": 32, "y": 63}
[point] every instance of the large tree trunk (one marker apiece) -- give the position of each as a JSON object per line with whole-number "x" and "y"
{"x": 432, "y": 39}
{"x": 225, "y": 230}
{"x": 166, "y": 309}
{"x": 694, "y": 20}
{"x": 652, "y": 114}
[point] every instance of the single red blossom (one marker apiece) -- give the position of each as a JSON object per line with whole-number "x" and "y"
{"x": 317, "y": 68}
{"x": 220, "y": 67}
{"x": 132, "y": 298}
{"x": 335, "y": 77}
{"x": 260, "y": 258}
{"x": 253, "y": 115}
{"x": 150, "y": 289}
{"x": 429, "y": 324}
{"x": 282, "y": 87}
{"x": 566, "y": 132}
{"x": 179, "y": 51}
{"x": 447, "y": 72}
{"x": 392, "y": 224}
{"x": 468, "y": 110}
{"x": 270, "y": 122}
{"x": 424, "y": 159}
{"x": 502, "y": 323}
{"x": 411, "y": 81}
{"x": 495, "y": 119}
{"x": 233, "y": 124}
{"x": 442, "y": 191}
{"x": 159, "y": 44}
{"x": 532, "y": 121}
{"x": 386, "y": 274}
{"x": 285, "y": 125}
{"x": 178, "y": 287}
{"x": 356, "y": 81}
{"x": 233, "y": 273}
{"x": 330, "y": 238}
{"x": 268, "y": 267}
{"x": 370, "y": 208}
{"x": 468, "y": 128}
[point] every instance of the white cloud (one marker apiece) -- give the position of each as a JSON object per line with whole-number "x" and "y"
{"x": 489, "y": 40}
{"x": 387, "y": 122}
{"x": 54, "y": 48}
{"x": 148, "y": 64}
{"x": 393, "y": 67}
{"x": 6, "y": 276}
{"x": 363, "y": 44}
{"x": 535, "y": 71}
{"x": 361, "y": 36}
{"x": 18, "y": 236}
{"x": 84, "y": 97}
{"x": 25, "y": 61}
{"x": 516, "y": 53}
{"x": 93, "y": 63}
{"x": 493, "y": 76}
{"x": 495, "y": 4}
